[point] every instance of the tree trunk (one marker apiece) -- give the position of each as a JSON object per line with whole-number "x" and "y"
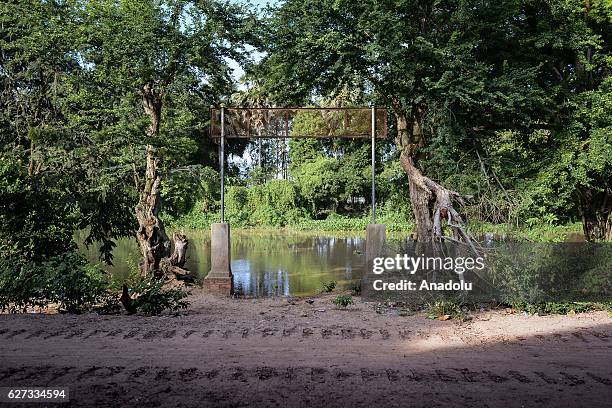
{"x": 420, "y": 195}
{"x": 152, "y": 104}
{"x": 431, "y": 202}
{"x": 152, "y": 239}
{"x": 596, "y": 215}
{"x": 181, "y": 243}
{"x": 419, "y": 199}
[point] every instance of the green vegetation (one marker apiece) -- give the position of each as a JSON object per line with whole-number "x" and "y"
{"x": 296, "y": 221}
{"x": 65, "y": 279}
{"x": 448, "y": 309}
{"x": 524, "y": 130}
{"x": 343, "y": 300}
{"x": 75, "y": 286}
{"x": 457, "y": 309}
{"x": 355, "y": 288}
{"x": 537, "y": 232}
{"x": 562, "y": 308}
{"x": 329, "y": 287}
{"x": 152, "y": 298}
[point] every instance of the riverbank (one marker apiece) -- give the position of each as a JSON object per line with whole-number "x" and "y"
{"x": 397, "y": 225}
{"x": 298, "y": 352}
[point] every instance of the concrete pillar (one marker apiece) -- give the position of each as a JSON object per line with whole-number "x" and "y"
{"x": 219, "y": 280}
{"x": 375, "y": 247}
{"x": 375, "y": 243}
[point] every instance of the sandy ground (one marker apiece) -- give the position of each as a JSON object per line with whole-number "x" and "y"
{"x": 270, "y": 352}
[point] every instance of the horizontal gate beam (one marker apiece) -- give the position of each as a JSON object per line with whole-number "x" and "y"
{"x": 270, "y": 123}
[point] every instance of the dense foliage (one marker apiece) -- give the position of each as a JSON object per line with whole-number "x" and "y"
{"x": 507, "y": 102}
{"x": 77, "y": 80}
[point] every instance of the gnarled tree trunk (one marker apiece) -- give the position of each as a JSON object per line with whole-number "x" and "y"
{"x": 152, "y": 104}
{"x": 431, "y": 202}
{"x": 180, "y": 244}
{"x": 151, "y": 235}
{"x": 153, "y": 241}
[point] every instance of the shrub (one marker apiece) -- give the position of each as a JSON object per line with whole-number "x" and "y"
{"x": 329, "y": 287}
{"x": 21, "y": 285}
{"x": 273, "y": 203}
{"x": 343, "y": 300}
{"x": 355, "y": 288}
{"x": 319, "y": 183}
{"x": 237, "y": 205}
{"x": 152, "y": 298}
{"x": 73, "y": 283}
{"x": 562, "y": 308}
{"x": 35, "y": 218}
{"x": 448, "y": 309}
{"x": 66, "y": 279}
{"x": 185, "y": 187}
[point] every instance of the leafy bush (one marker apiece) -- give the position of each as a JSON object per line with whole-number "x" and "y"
{"x": 35, "y": 219}
{"x": 66, "y": 279}
{"x": 237, "y": 205}
{"x": 448, "y": 309}
{"x": 319, "y": 183}
{"x": 355, "y": 288}
{"x": 152, "y": 298}
{"x": 73, "y": 283}
{"x": 343, "y": 300}
{"x": 329, "y": 287}
{"x": 21, "y": 285}
{"x": 77, "y": 286}
{"x": 275, "y": 203}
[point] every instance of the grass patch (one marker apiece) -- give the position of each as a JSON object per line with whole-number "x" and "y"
{"x": 536, "y": 233}
{"x": 458, "y": 309}
{"x": 561, "y": 308}
{"x": 448, "y": 309}
{"x": 395, "y": 224}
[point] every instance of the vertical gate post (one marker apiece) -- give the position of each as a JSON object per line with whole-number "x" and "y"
{"x": 373, "y": 164}
{"x": 375, "y": 234}
{"x": 222, "y": 164}
{"x": 219, "y": 280}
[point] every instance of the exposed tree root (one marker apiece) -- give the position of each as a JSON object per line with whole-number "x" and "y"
{"x": 422, "y": 191}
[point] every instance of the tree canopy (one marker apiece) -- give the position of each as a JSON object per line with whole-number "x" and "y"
{"x": 490, "y": 87}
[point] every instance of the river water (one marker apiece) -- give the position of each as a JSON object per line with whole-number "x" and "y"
{"x": 265, "y": 263}
{"x": 286, "y": 263}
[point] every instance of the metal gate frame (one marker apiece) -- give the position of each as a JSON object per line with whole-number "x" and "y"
{"x": 222, "y": 136}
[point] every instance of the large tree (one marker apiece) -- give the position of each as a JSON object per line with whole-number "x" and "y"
{"x": 452, "y": 73}
{"x": 89, "y": 85}
{"x": 160, "y": 56}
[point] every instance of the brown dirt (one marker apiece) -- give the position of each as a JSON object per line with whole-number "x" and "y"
{"x": 269, "y": 352}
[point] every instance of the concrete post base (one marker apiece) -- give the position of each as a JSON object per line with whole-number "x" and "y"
{"x": 375, "y": 247}
{"x": 219, "y": 280}
{"x": 375, "y": 243}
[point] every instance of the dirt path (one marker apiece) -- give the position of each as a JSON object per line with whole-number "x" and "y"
{"x": 272, "y": 353}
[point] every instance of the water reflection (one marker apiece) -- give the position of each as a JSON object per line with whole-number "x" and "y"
{"x": 266, "y": 263}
